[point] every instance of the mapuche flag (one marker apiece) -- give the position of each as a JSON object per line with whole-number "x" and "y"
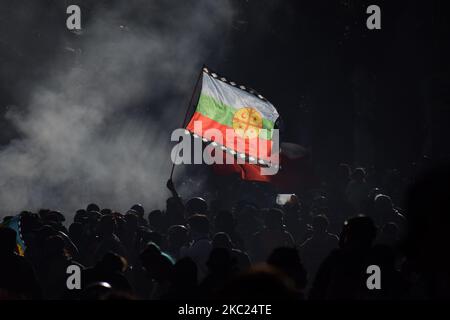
{"x": 223, "y": 105}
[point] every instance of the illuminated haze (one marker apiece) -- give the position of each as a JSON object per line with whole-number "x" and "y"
{"x": 96, "y": 126}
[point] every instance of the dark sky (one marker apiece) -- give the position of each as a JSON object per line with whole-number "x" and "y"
{"x": 348, "y": 93}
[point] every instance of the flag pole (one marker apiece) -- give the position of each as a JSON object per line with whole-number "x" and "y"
{"x": 187, "y": 112}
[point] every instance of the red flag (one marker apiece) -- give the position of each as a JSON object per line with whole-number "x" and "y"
{"x": 246, "y": 171}
{"x": 296, "y": 171}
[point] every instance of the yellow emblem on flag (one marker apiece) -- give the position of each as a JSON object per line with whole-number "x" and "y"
{"x": 247, "y": 122}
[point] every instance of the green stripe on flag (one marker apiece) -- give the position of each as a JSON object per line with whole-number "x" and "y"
{"x": 223, "y": 114}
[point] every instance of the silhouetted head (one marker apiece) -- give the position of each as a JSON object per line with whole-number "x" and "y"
{"x": 174, "y": 204}
{"x": 152, "y": 236}
{"x": 359, "y": 174}
{"x": 158, "y": 265}
{"x": 358, "y": 232}
{"x": 220, "y": 261}
{"x": 139, "y": 208}
{"x": 51, "y": 216}
{"x": 106, "y": 211}
{"x": 81, "y": 216}
{"x": 373, "y": 193}
{"x": 54, "y": 246}
{"x": 106, "y": 226}
{"x": 156, "y": 220}
{"x": 7, "y": 219}
{"x": 94, "y": 216}
{"x": 112, "y": 263}
{"x": 196, "y": 206}
{"x": 343, "y": 173}
{"x": 383, "y": 204}
{"x": 293, "y": 206}
{"x": 58, "y": 216}
{"x": 131, "y": 221}
{"x": 7, "y": 240}
{"x": 320, "y": 223}
{"x": 288, "y": 261}
{"x": 177, "y": 236}
{"x": 199, "y": 225}
{"x": 93, "y": 207}
{"x": 222, "y": 240}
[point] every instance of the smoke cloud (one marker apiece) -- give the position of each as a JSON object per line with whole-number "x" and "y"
{"x": 98, "y": 117}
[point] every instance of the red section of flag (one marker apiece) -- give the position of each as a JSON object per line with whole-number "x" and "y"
{"x": 247, "y": 171}
{"x": 256, "y": 147}
{"x": 296, "y": 170}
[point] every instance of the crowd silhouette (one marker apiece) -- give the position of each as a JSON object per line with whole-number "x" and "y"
{"x": 317, "y": 246}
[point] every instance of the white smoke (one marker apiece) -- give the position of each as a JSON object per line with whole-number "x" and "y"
{"x": 97, "y": 127}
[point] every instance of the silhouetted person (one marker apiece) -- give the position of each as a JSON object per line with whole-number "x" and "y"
{"x": 92, "y": 207}
{"x": 357, "y": 189}
{"x": 222, "y": 240}
{"x": 52, "y": 271}
{"x": 296, "y": 226}
{"x": 177, "y": 238}
{"x": 156, "y": 221}
{"x": 342, "y": 275}
{"x": 109, "y": 269}
{"x": 394, "y": 285}
{"x": 76, "y": 234}
{"x": 225, "y": 222}
{"x": 184, "y": 281}
{"x": 17, "y": 278}
{"x": 384, "y": 212}
{"x": 248, "y": 223}
{"x": 139, "y": 210}
{"x": 426, "y": 243}
{"x": 152, "y": 236}
{"x": 273, "y": 235}
{"x": 159, "y": 268}
{"x": 389, "y": 235}
{"x": 196, "y": 205}
{"x": 318, "y": 246}
{"x": 288, "y": 261}
{"x": 339, "y": 202}
{"x": 221, "y": 266}
{"x": 200, "y": 246}
{"x": 107, "y": 239}
{"x": 130, "y": 237}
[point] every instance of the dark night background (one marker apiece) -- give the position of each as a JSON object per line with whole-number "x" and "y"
{"x": 347, "y": 93}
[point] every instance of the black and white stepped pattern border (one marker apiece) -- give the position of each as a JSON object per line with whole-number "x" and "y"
{"x": 19, "y": 224}
{"x": 247, "y": 158}
{"x": 233, "y": 84}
